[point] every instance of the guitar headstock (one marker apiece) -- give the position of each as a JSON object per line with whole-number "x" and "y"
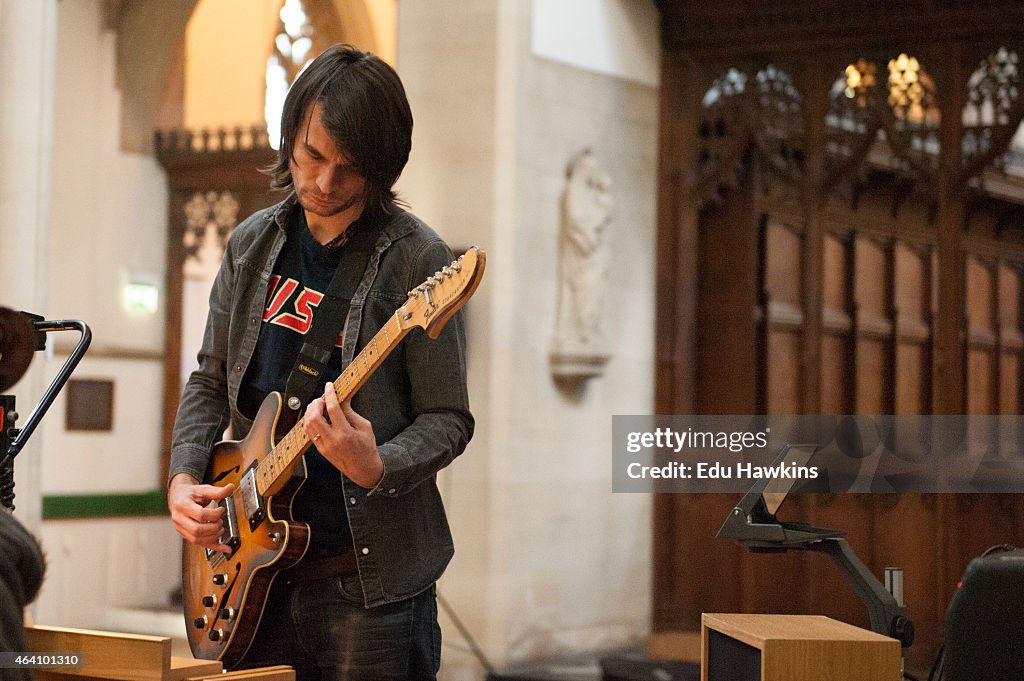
{"x": 432, "y": 303}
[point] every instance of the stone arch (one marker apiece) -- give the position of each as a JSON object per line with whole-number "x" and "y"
{"x": 150, "y": 35}
{"x": 150, "y": 56}
{"x": 355, "y": 24}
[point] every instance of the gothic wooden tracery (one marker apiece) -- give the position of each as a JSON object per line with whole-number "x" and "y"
{"x": 888, "y": 105}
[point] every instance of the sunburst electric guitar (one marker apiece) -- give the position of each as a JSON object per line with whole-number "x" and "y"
{"x": 224, "y": 593}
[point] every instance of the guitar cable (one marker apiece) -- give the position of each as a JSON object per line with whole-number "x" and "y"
{"x": 473, "y": 647}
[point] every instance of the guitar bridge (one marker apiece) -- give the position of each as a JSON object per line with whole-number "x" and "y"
{"x": 252, "y": 502}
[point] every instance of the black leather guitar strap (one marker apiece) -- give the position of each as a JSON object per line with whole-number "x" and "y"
{"x": 306, "y": 378}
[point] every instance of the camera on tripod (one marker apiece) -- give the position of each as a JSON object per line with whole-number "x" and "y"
{"x": 22, "y": 334}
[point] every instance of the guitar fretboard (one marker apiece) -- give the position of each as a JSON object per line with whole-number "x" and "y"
{"x": 278, "y": 462}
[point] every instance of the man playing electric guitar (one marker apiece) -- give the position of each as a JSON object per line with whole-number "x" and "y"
{"x": 333, "y": 261}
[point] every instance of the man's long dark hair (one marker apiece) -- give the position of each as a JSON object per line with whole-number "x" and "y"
{"x": 364, "y": 109}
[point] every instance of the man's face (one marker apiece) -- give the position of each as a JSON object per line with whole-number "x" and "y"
{"x": 325, "y": 180}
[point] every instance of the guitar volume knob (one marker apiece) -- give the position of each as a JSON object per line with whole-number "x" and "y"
{"x": 201, "y": 622}
{"x": 210, "y": 601}
{"x": 220, "y": 579}
{"x": 216, "y": 634}
{"x": 227, "y": 613}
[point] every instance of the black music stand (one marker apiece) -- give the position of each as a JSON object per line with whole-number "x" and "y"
{"x": 753, "y": 524}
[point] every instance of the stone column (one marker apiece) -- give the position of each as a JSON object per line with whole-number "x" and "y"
{"x": 28, "y": 30}
{"x": 448, "y": 56}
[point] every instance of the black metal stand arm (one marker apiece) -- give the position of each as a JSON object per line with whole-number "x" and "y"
{"x": 20, "y": 437}
{"x": 887, "y": 616}
{"x": 753, "y": 524}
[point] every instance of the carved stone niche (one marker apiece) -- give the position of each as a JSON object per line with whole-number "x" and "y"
{"x": 579, "y": 348}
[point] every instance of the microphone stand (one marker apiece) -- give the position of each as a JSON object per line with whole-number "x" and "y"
{"x": 13, "y": 439}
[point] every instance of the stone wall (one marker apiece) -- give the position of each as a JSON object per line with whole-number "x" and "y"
{"x": 548, "y": 561}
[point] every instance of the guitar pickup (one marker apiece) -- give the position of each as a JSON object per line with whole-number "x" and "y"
{"x": 230, "y": 536}
{"x": 252, "y": 502}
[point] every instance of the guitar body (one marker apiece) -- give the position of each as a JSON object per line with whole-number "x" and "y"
{"x": 224, "y": 595}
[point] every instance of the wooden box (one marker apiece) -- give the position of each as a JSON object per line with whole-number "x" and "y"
{"x": 737, "y": 647}
{"x": 111, "y": 656}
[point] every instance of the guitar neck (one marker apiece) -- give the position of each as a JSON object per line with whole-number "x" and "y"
{"x": 277, "y": 466}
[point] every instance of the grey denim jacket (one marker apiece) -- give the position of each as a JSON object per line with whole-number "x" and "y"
{"x": 416, "y": 400}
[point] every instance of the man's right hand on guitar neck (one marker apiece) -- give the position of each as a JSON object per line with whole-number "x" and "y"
{"x": 193, "y": 518}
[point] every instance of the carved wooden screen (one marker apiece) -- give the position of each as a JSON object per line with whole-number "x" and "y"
{"x": 214, "y": 182}
{"x": 836, "y": 236}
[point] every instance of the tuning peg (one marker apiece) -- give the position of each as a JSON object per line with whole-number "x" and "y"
{"x": 457, "y": 265}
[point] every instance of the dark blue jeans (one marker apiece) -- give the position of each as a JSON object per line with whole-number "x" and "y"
{"x": 322, "y": 630}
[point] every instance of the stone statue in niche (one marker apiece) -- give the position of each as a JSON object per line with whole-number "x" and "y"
{"x": 580, "y": 346}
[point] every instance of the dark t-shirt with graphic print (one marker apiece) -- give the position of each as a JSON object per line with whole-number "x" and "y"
{"x": 301, "y": 275}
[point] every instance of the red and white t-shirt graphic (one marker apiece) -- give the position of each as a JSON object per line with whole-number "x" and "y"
{"x": 293, "y": 311}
